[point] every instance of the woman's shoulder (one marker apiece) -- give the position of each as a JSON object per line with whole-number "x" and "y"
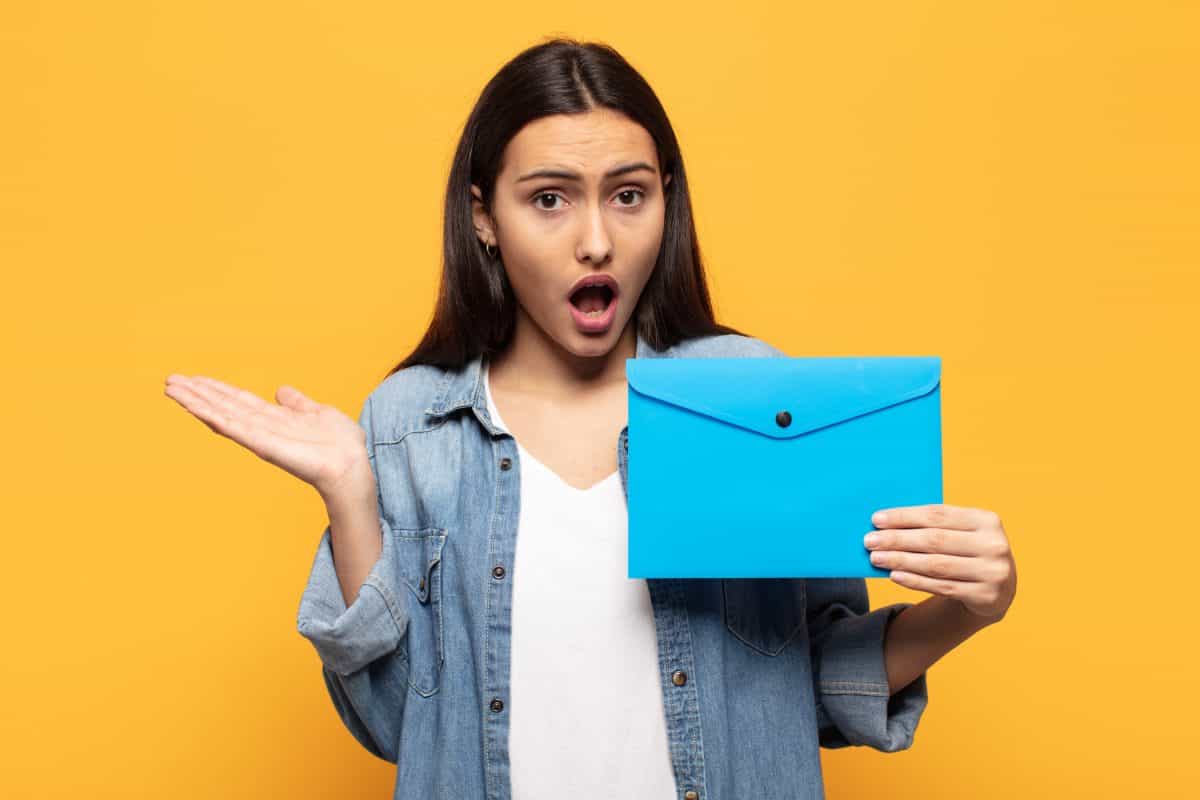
{"x": 725, "y": 345}
{"x": 400, "y": 403}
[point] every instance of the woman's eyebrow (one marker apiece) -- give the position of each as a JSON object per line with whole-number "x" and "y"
{"x": 575, "y": 176}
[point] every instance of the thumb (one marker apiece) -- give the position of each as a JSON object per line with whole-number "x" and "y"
{"x": 295, "y": 399}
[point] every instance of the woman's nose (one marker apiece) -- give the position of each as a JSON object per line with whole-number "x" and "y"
{"x": 595, "y": 244}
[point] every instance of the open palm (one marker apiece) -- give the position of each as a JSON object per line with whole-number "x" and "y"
{"x": 315, "y": 442}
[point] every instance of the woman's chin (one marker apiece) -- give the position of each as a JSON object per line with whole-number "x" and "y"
{"x": 589, "y": 345}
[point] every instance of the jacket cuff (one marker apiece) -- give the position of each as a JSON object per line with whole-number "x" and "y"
{"x": 850, "y": 676}
{"x": 347, "y": 639}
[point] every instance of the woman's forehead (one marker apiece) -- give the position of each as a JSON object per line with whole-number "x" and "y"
{"x": 589, "y": 143}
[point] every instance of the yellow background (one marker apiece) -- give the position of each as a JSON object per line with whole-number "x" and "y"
{"x": 253, "y": 191}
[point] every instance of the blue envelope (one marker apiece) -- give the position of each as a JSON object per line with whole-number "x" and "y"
{"x": 772, "y": 467}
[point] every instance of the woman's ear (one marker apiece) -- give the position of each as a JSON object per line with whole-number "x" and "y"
{"x": 481, "y": 219}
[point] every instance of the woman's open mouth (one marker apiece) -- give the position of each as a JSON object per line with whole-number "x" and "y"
{"x": 594, "y": 305}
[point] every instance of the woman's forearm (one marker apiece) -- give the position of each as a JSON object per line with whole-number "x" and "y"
{"x": 921, "y": 634}
{"x": 354, "y": 532}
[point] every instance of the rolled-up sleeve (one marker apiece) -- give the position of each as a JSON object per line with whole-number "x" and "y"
{"x": 361, "y": 646}
{"x": 347, "y": 639}
{"x": 849, "y": 671}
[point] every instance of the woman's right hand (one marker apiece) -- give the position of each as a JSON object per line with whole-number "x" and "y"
{"x": 315, "y": 442}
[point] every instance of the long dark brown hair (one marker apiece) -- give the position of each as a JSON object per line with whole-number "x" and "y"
{"x": 476, "y": 308}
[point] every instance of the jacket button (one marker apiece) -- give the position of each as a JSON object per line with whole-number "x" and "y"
{"x": 679, "y": 677}
{"x": 691, "y": 795}
{"x": 497, "y": 704}
{"x": 783, "y": 418}
{"x": 497, "y": 572}
{"x": 506, "y": 463}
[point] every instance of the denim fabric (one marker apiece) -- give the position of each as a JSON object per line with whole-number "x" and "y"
{"x": 418, "y": 665}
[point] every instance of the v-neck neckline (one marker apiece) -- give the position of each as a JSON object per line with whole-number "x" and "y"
{"x": 558, "y": 478}
{"x": 493, "y": 406}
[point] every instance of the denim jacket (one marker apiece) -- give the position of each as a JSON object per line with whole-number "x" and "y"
{"x": 756, "y": 674}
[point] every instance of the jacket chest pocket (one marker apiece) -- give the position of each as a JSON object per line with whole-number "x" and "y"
{"x": 419, "y": 553}
{"x": 764, "y": 613}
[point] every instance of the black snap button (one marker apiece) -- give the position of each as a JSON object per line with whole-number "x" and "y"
{"x": 497, "y": 572}
{"x": 783, "y": 418}
{"x": 506, "y": 463}
{"x": 497, "y": 704}
{"x": 679, "y": 677}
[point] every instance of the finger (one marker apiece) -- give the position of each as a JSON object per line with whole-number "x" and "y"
{"x": 937, "y": 565}
{"x": 259, "y": 440}
{"x": 249, "y": 400}
{"x": 942, "y": 586}
{"x": 234, "y": 408}
{"x": 229, "y": 419}
{"x": 926, "y": 540}
{"x": 293, "y": 398}
{"x": 196, "y": 404}
{"x": 937, "y": 515}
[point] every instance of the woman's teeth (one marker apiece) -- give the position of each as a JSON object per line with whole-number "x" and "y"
{"x": 592, "y": 301}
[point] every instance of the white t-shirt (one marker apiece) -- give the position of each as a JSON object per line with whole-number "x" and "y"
{"x": 586, "y": 712}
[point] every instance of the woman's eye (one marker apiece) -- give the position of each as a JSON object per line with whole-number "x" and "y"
{"x": 538, "y": 199}
{"x": 625, "y": 193}
{"x": 627, "y": 198}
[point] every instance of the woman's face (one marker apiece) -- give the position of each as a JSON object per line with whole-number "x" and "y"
{"x": 582, "y": 220}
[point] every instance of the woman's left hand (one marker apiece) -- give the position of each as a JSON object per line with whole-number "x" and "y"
{"x": 960, "y": 553}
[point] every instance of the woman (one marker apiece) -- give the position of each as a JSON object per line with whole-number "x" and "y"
{"x": 468, "y": 599}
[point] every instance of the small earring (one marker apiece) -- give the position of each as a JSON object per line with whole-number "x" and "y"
{"x": 491, "y": 250}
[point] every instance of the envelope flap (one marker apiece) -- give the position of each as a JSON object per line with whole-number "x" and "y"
{"x": 815, "y": 392}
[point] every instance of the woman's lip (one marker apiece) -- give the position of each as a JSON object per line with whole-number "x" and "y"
{"x": 597, "y": 324}
{"x": 600, "y": 279}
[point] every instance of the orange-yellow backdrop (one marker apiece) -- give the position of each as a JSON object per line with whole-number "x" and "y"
{"x": 253, "y": 191}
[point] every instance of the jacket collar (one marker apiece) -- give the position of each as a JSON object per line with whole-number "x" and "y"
{"x": 463, "y": 388}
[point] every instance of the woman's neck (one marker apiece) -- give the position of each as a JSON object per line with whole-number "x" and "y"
{"x": 537, "y": 364}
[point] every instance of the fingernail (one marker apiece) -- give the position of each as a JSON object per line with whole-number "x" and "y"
{"x": 871, "y": 539}
{"x": 878, "y": 517}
